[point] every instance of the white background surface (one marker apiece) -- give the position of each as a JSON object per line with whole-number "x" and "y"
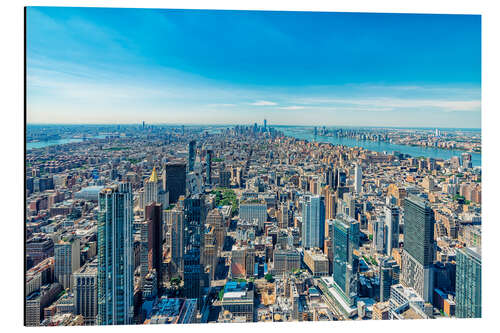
{"x": 12, "y": 161}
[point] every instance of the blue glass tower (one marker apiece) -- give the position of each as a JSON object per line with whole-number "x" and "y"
{"x": 115, "y": 280}
{"x": 468, "y": 283}
{"x": 345, "y": 262}
{"x": 313, "y": 222}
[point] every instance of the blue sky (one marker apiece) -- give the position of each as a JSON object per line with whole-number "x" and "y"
{"x": 103, "y": 65}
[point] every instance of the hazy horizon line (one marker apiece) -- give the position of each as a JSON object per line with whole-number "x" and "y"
{"x": 245, "y": 124}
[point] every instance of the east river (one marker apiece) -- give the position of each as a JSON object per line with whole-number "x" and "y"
{"x": 414, "y": 151}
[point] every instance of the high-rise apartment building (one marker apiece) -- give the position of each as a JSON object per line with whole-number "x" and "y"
{"x": 115, "y": 277}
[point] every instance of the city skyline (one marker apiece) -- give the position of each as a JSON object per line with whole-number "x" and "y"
{"x": 358, "y": 69}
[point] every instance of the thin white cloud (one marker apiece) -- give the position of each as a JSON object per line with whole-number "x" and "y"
{"x": 293, "y": 107}
{"x": 399, "y": 103}
{"x": 263, "y": 103}
{"x": 221, "y": 105}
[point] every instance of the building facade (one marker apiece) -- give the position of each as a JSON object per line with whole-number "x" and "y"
{"x": 468, "y": 283}
{"x": 115, "y": 256}
{"x": 418, "y": 251}
{"x": 313, "y": 222}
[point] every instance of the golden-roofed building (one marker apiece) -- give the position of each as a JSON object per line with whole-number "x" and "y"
{"x": 154, "y": 176}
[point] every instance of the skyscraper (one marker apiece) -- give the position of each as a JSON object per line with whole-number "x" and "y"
{"x": 194, "y": 212}
{"x": 115, "y": 278}
{"x": 175, "y": 219}
{"x": 330, "y": 206}
{"x": 153, "y": 190}
{"x": 208, "y": 161}
{"x": 391, "y": 228}
{"x": 284, "y": 216}
{"x": 468, "y": 283}
{"x": 192, "y": 274}
{"x": 387, "y": 272}
{"x": 341, "y": 178}
{"x": 174, "y": 180}
{"x": 378, "y": 235}
{"x": 345, "y": 261}
{"x": 153, "y": 240}
{"x": 67, "y": 259}
{"x": 418, "y": 252}
{"x": 313, "y": 221}
{"x": 192, "y": 155}
{"x": 330, "y": 177}
{"x": 358, "y": 176}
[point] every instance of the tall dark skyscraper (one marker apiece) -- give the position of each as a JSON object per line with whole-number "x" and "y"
{"x": 154, "y": 221}
{"x": 468, "y": 283}
{"x": 115, "y": 277}
{"x": 418, "y": 253}
{"x": 174, "y": 180}
{"x": 330, "y": 177}
{"x": 192, "y": 155}
{"x": 341, "y": 178}
{"x": 192, "y": 274}
{"x": 195, "y": 217}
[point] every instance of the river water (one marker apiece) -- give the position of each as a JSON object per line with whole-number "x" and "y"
{"x": 43, "y": 144}
{"x": 414, "y": 151}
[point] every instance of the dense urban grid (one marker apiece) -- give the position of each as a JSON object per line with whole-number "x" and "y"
{"x": 151, "y": 224}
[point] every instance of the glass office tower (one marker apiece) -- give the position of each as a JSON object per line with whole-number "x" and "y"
{"x": 345, "y": 261}
{"x": 468, "y": 283}
{"x": 313, "y": 222}
{"x": 115, "y": 280}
